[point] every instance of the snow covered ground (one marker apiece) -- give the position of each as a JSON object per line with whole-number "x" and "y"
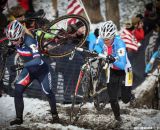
{"x": 37, "y": 117}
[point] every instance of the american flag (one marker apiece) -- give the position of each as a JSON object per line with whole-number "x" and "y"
{"x": 74, "y": 7}
{"x": 129, "y": 39}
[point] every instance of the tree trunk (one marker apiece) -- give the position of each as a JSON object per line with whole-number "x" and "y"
{"x": 93, "y": 9}
{"x": 54, "y": 5}
{"x": 112, "y": 11}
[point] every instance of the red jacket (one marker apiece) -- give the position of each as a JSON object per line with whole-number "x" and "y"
{"x": 139, "y": 34}
{"x": 24, "y": 4}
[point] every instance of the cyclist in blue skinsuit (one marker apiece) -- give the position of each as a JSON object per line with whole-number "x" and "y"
{"x": 155, "y": 55}
{"x": 111, "y": 44}
{"x": 34, "y": 68}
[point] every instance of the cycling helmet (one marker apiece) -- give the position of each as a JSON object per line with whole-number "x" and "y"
{"x": 14, "y": 30}
{"x": 108, "y": 30}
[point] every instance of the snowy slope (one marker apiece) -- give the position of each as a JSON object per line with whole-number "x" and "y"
{"x": 37, "y": 116}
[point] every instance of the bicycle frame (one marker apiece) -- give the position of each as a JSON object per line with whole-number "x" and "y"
{"x": 88, "y": 82}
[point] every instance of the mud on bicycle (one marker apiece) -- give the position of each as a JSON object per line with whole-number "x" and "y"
{"x": 91, "y": 84}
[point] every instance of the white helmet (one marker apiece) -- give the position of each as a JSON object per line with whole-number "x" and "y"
{"x": 14, "y": 30}
{"x": 108, "y": 30}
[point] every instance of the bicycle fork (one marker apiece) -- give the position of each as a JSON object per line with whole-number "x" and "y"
{"x": 78, "y": 83}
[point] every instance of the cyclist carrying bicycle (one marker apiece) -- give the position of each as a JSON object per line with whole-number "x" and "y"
{"x": 120, "y": 68}
{"x": 33, "y": 68}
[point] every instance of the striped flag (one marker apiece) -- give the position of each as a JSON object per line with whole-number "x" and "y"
{"x": 129, "y": 39}
{"x": 74, "y": 7}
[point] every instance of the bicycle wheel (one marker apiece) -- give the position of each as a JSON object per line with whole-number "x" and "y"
{"x": 100, "y": 99}
{"x": 60, "y": 37}
{"x": 81, "y": 95}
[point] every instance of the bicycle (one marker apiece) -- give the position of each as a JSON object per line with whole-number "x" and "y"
{"x": 47, "y": 35}
{"x": 91, "y": 84}
{"x": 63, "y": 37}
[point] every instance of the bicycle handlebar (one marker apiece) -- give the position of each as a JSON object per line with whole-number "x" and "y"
{"x": 100, "y": 55}
{"x": 96, "y": 54}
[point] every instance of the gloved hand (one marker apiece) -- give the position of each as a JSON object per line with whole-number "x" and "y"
{"x": 145, "y": 75}
{"x": 111, "y": 59}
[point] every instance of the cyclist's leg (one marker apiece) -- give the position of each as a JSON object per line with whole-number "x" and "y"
{"x": 45, "y": 80}
{"x": 20, "y": 85}
{"x": 113, "y": 89}
{"x": 116, "y": 80}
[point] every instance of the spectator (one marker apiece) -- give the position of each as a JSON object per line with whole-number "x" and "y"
{"x": 92, "y": 38}
{"x": 153, "y": 41}
{"x": 138, "y": 31}
{"x": 127, "y": 36}
{"x": 149, "y": 17}
{"x": 149, "y": 11}
{"x": 27, "y": 5}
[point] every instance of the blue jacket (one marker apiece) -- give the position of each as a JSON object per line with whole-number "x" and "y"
{"x": 29, "y": 52}
{"x": 95, "y": 44}
{"x": 150, "y": 64}
{"x": 118, "y": 51}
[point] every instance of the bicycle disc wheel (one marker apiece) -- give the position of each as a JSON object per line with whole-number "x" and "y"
{"x": 60, "y": 37}
{"x": 80, "y": 96}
